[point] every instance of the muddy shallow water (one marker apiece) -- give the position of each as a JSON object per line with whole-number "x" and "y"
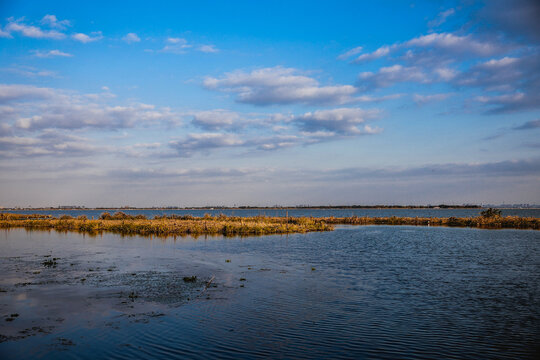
{"x": 383, "y": 292}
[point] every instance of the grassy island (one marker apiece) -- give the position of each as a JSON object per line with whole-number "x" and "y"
{"x": 482, "y": 222}
{"x": 180, "y": 225}
{"x": 170, "y": 225}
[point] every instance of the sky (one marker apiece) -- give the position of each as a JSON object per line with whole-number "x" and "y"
{"x": 261, "y": 103}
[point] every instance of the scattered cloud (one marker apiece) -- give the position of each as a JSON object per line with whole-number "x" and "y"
{"x": 342, "y": 121}
{"x": 427, "y": 99}
{"x": 387, "y": 76}
{"x": 441, "y": 18}
{"x": 31, "y": 31}
{"x": 17, "y": 92}
{"x": 53, "y": 22}
{"x": 529, "y": 125}
{"x": 36, "y": 108}
{"x": 173, "y": 40}
{"x": 508, "y": 84}
{"x": 94, "y": 36}
{"x": 131, "y": 38}
{"x": 279, "y": 85}
{"x": 204, "y": 142}
{"x": 380, "y": 52}
{"x": 49, "y": 143}
{"x": 176, "y": 45}
{"x": 4, "y": 34}
{"x": 266, "y": 132}
{"x": 456, "y": 44}
{"x": 436, "y": 48}
{"x": 29, "y": 71}
{"x": 216, "y": 119}
{"x": 51, "y": 53}
{"x": 350, "y": 53}
{"x": 208, "y": 49}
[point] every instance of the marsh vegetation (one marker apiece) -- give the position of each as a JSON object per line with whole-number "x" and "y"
{"x": 181, "y": 225}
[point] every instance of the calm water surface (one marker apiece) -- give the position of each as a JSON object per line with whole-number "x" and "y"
{"x": 357, "y": 292}
{"x": 298, "y": 212}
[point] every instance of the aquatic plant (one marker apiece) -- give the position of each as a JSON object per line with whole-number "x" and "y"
{"x": 490, "y": 212}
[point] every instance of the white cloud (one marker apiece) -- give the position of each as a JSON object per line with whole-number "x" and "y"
{"x": 441, "y": 18}
{"x": 425, "y": 99}
{"x": 176, "y": 45}
{"x": 49, "y": 143}
{"x": 204, "y": 142}
{"x": 131, "y": 38}
{"x": 343, "y": 121}
{"x": 387, "y": 76}
{"x": 11, "y": 92}
{"x": 44, "y": 108}
{"x": 51, "y": 53}
{"x": 216, "y": 119}
{"x": 436, "y": 48}
{"x": 29, "y": 71}
{"x": 350, "y": 53}
{"x": 208, "y": 49}
{"x": 52, "y": 21}
{"x": 455, "y": 44}
{"x": 380, "y": 52}
{"x": 445, "y": 73}
{"x": 279, "y": 85}
{"x": 94, "y": 36}
{"x": 173, "y": 40}
{"x": 5, "y": 34}
{"x": 32, "y": 31}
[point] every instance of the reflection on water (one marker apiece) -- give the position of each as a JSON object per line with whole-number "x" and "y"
{"x": 377, "y": 292}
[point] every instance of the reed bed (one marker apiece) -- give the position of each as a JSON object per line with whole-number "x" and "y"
{"x": 169, "y": 225}
{"x": 494, "y": 222}
{"x": 181, "y": 225}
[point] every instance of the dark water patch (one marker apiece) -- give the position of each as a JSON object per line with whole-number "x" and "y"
{"x": 376, "y": 292}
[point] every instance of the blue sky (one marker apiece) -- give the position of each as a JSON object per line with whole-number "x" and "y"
{"x": 263, "y": 103}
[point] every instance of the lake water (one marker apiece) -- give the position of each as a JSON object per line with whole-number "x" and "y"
{"x": 296, "y": 212}
{"x": 357, "y": 292}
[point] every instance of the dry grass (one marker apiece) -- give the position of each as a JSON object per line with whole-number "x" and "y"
{"x": 494, "y": 222}
{"x": 177, "y": 225}
{"x": 169, "y": 226}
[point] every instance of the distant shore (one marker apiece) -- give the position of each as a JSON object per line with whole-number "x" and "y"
{"x": 323, "y": 207}
{"x": 182, "y": 225}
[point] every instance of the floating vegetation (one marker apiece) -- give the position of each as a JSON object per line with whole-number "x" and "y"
{"x": 182, "y": 225}
{"x": 50, "y": 262}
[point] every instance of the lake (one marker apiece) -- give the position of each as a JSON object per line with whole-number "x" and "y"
{"x": 357, "y": 292}
{"x": 150, "y": 213}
